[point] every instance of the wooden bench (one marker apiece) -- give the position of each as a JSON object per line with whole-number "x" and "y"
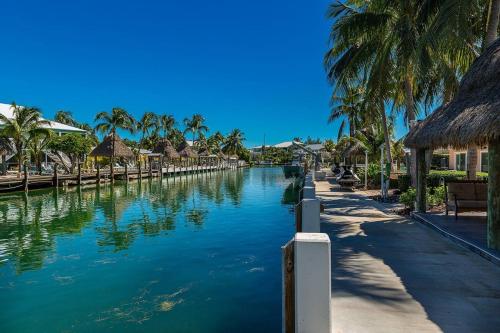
{"x": 466, "y": 195}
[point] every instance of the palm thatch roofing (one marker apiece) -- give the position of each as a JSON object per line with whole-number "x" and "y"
{"x": 473, "y": 117}
{"x": 222, "y": 155}
{"x": 186, "y": 151}
{"x": 166, "y": 148}
{"x": 203, "y": 153}
{"x": 353, "y": 148}
{"x": 105, "y": 148}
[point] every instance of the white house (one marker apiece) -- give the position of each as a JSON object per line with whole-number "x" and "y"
{"x": 6, "y": 110}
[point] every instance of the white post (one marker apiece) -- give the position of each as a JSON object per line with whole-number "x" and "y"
{"x": 309, "y": 192}
{"x": 312, "y": 283}
{"x": 382, "y": 170}
{"x": 366, "y": 169}
{"x": 310, "y": 215}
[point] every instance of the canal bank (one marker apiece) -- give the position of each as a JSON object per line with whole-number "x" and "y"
{"x": 391, "y": 274}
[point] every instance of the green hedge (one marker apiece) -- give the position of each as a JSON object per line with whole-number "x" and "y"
{"x": 434, "y": 177}
{"x": 449, "y": 175}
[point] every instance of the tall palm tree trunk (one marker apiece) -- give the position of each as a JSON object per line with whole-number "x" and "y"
{"x": 410, "y": 114}
{"x": 387, "y": 140}
{"x": 492, "y": 23}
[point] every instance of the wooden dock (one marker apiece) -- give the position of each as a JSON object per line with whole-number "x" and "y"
{"x": 21, "y": 182}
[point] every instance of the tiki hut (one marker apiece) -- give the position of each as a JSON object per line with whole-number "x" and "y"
{"x": 186, "y": 151}
{"x": 112, "y": 146}
{"x": 166, "y": 148}
{"x": 472, "y": 118}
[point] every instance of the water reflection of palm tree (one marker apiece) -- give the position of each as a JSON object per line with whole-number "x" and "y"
{"x": 234, "y": 186}
{"x": 113, "y": 209}
{"x": 32, "y": 223}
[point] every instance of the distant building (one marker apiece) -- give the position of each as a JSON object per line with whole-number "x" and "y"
{"x": 58, "y": 128}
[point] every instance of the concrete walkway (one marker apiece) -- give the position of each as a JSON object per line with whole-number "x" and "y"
{"x": 391, "y": 274}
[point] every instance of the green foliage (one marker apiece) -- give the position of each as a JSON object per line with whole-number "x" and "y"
{"x": 276, "y": 155}
{"x": 26, "y": 124}
{"x": 435, "y": 196}
{"x": 73, "y": 145}
{"x": 329, "y": 145}
{"x": 404, "y": 182}
{"x": 244, "y": 154}
{"x": 435, "y": 176}
{"x": 408, "y": 198}
{"x": 374, "y": 173}
{"x": 234, "y": 142}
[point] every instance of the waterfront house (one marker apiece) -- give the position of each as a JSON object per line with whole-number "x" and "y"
{"x": 59, "y": 129}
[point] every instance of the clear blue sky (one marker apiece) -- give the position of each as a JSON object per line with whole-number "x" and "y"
{"x": 255, "y": 65}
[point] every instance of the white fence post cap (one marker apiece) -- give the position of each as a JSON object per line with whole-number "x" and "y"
{"x": 315, "y": 237}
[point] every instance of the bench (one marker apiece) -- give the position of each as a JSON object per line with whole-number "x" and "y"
{"x": 466, "y": 195}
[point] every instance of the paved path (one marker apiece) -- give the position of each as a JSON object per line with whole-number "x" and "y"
{"x": 390, "y": 274}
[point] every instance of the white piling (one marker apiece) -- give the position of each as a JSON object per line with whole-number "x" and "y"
{"x": 309, "y": 192}
{"x": 310, "y": 215}
{"x": 312, "y": 283}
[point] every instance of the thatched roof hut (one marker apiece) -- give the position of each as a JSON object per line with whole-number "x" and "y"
{"x": 186, "y": 151}
{"x": 166, "y": 148}
{"x": 203, "y": 152}
{"x": 221, "y": 155}
{"x": 473, "y": 117}
{"x": 353, "y": 149}
{"x": 105, "y": 148}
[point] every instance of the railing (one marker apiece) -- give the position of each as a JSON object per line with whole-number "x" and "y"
{"x": 306, "y": 272}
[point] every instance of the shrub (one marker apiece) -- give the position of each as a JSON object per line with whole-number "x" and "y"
{"x": 435, "y": 196}
{"x": 404, "y": 182}
{"x": 449, "y": 175}
{"x": 408, "y": 198}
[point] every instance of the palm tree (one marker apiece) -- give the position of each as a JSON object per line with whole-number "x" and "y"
{"x": 166, "y": 124}
{"x": 348, "y": 107}
{"x": 37, "y": 144}
{"x": 111, "y": 122}
{"x": 195, "y": 125}
{"x": 392, "y": 48}
{"x": 26, "y": 123}
{"x": 215, "y": 141}
{"x": 65, "y": 117}
{"x": 234, "y": 142}
{"x": 148, "y": 122}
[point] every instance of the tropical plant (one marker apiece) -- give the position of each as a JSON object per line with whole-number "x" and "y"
{"x": 349, "y": 108}
{"x": 329, "y": 145}
{"x": 148, "y": 122}
{"x": 408, "y": 198}
{"x": 234, "y": 142}
{"x": 74, "y": 145}
{"x": 37, "y": 145}
{"x": 195, "y": 125}
{"x": 176, "y": 137}
{"x": 25, "y": 124}
{"x": 166, "y": 124}
{"x": 65, "y": 117}
{"x": 109, "y": 123}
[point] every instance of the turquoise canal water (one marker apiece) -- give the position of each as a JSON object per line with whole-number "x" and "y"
{"x": 186, "y": 254}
